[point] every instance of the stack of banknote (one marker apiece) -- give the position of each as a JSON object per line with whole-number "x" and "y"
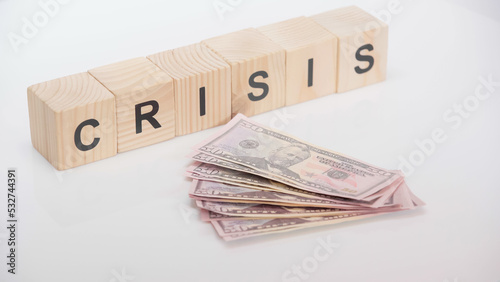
{"x": 251, "y": 180}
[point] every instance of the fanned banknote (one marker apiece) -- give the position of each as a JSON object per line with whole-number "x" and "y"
{"x": 297, "y": 163}
{"x": 220, "y": 210}
{"x": 251, "y": 180}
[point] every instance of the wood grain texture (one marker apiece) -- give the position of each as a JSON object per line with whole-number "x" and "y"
{"x": 249, "y": 51}
{"x": 355, "y": 28}
{"x": 304, "y": 40}
{"x": 58, "y": 107}
{"x": 134, "y": 82}
{"x": 193, "y": 67}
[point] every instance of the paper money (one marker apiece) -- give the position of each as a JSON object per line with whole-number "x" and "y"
{"x": 215, "y": 191}
{"x": 214, "y": 173}
{"x": 238, "y": 229}
{"x": 227, "y": 172}
{"x": 231, "y": 210}
{"x": 249, "y": 180}
{"x": 204, "y": 171}
{"x": 295, "y": 162}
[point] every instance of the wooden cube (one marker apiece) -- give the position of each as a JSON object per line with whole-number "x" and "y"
{"x": 202, "y": 86}
{"x": 311, "y": 58}
{"x": 72, "y": 120}
{"x": 257, "y": 68}
{"x": 145, "y": 111}
{"x": 362, "y": 46}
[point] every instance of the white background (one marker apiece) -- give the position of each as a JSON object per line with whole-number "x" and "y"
{"x": 129, "y": 218}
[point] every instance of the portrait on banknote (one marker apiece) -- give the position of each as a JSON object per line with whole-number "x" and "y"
{"x": 280, "y": 159}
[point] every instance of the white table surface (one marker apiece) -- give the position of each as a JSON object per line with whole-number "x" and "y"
{"x": 129, "y": 217}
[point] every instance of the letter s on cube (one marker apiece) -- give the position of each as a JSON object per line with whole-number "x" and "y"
{"x": 257, "y": 70}
{"x": 72, "y": 120}
{"x": 362, "y": 46}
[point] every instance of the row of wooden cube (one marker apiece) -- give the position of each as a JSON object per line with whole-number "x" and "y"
{"x": 89, "y": 116}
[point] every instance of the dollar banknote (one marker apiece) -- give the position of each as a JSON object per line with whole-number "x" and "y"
{"x": 250, "y": 180}
{"x": 225, "y": 211}
{"x": 294, "y": 162}
{"x": 220, "y": 192}
{"x": 205, "y": 171}
{"x": 238, "y": 229}
{"x": 213, "y": 169}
